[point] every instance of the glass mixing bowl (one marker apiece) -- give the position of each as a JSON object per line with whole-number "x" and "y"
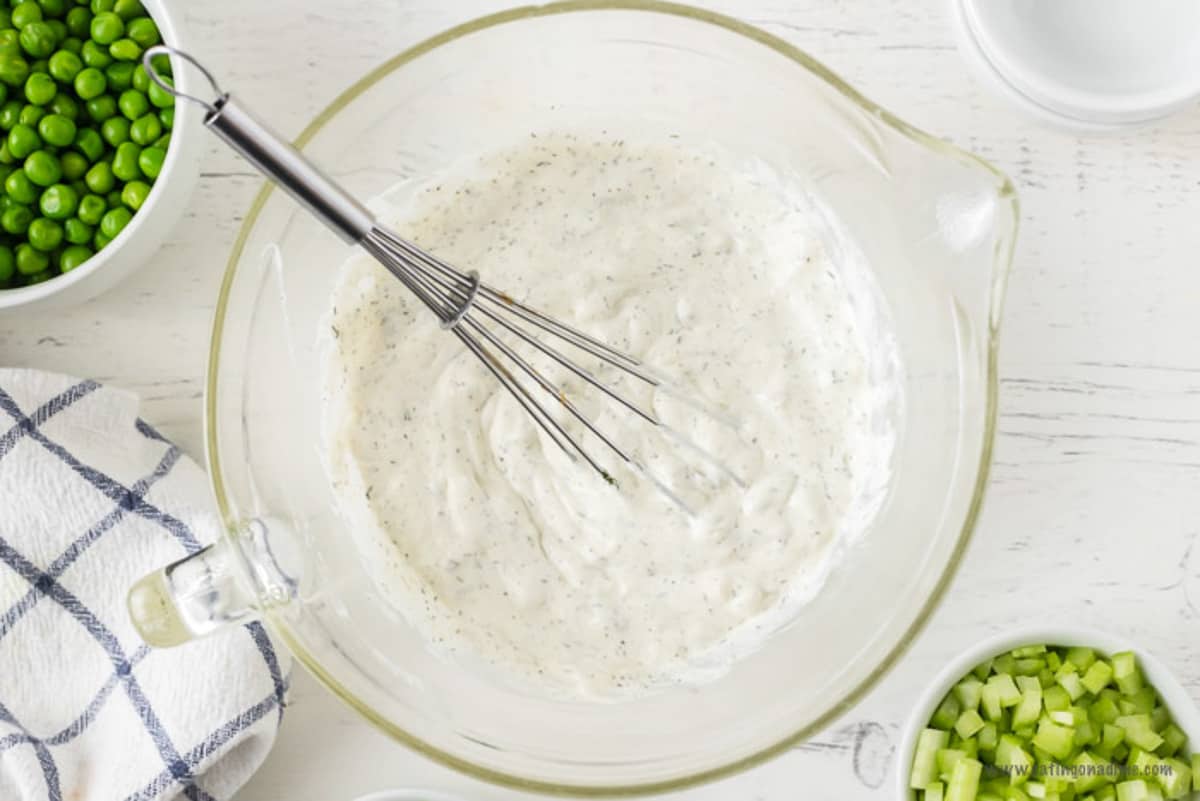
{"x": 935, "y": 224}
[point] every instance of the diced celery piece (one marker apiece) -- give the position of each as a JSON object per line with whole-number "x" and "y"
{"x": 1013, "y": 759}
{"x": 968, "y": 724}
{"x": 1071, "y": 683}
{"x": 988, "y": 737}
{"x": 1057, "y": 783}
{"x": 1173, "y": 740}
{"x": 992, "y": 708}
{"x": 1054, "y": 739}
{"x": 1015, "y": 794}
{"x": 1055, "y": 698}
{"x": 1126, "y": 673}
{"x": 1030, "y": 708}
{"x": 946, "y": 713}
{"x": 1063, "y": 717}
{"x": 1138, "y": 731}
{"x": 1081, "y": 657}
{"x": 1053, "y": 660}
{"x": 1159, "y": 719}
{"x": 1104, "y": 710}
{"x": 1097, "y": 676}
{"x": 1027, "y": 650}
{"x": 1175, "y": 779}
{"x": 1024, "y": 732}
{"x": 1046, "y": 678}
{"x": 1196, "y": 773}
{"x": 1089, "y": 772}
{"x": 1144, "y": 700}
{"x": 1036, "y": 789}
{"x": 934, "y": 792}
{"x": 1121, "y": 752}
{"x": 947, "y": 758}
{"x": 1003, "y": 664}
{"x": 1086, "y": 733}
{"x": 1110, "y": 737}
{"x": 1135, "y": 790}
{"x": 982, "y": 670}
{"x": 1027, "y": 683}
{"x": 929, "y": 742}
{"x": 989, "y": 797}
{"x": 1028, "y": 667}
{"x": 964, "y": 783}
{"x": 1006, "y": 689}
{"x": 1126, "y": 706}
{"x": 968, "y": 691}
{"x": 1106, "y": 793}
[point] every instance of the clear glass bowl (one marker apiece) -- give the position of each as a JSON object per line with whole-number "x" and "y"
{"x": 936, "y": 225}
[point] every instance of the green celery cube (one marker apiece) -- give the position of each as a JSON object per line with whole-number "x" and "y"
{"x": 1054, "y": 739}
{"x": 1173, "y": 740}
{"x": 1097, "y": 676}
{"x": 929, "y": 742}
{"x": 964, "y": 784}
{"x": 946, "y": 713}
{"x": 968, "y": 692}
{"x": 934, "y": 792}
{"x": 1175, "y": 779}
{"x": 1126, "y": 673}
{"x": 968, "y": 724}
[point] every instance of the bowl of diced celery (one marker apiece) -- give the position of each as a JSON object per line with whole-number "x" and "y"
{"x": 96, "y": 161}
{"x": 1051, "y": 716}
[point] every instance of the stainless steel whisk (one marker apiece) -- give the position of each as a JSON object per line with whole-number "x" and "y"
{"x": 465, "y": 305}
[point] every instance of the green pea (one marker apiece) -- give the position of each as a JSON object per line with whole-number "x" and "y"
{"x": 18, "y": 187}
{"x": 77, "y": 232}
{"x": 125, "y": 162}
{"x": 114, "y": 221}
{"x": 23, "y": 140}
{"x": 79, "y": 22}
{"x": 29, "y": 260}
{"x": 72, "y": 44}
{"x": 150, "y": 161}
{"x": 43, "y": 168}
{"x": 74, "y": 255}
{"x": 10, "y": 42}
{"x": 91, "y": 209}
{"x": 39, "y": 278}
{"x": 100, "y": 6}
{"x": 45, "y": 234}
{"x": 39, "y": 65}
{"x": 100, "y": 241}
{"x": 13, "y": 70}
{"x": 141, "y": 81}
{"x": 65, "y": 65}
{"x": 94, "y": 55}
{"x": 133, "y": 104}
{"x": 5, "y": 18}
{"x": 52, "y": 8}
{"x": 134, "y": 194}
{"x": 163, "y": 142}
{"x": 38, "y": 39}
{"x": 90, "y": 83}
{"x": 6, "y": 157}
{"x": 65, "y": 106}
{"x": 89, "y": 143}
{"x": 31, "y": 115}
{"x": 113, "y": 199}
{"x": 115, "y": 130}
{"x": 160, "y": 97}
{"x": 59, "y": 202}
{"x": 128, "y": 9}
{"x": 125, "y": 50}
{"x": 99, "y": 178}
{"x": 25, "y": 13}
{"x": 107, "y": 28}
{"x": 10, "y": 114}
{"x": 79, "y": 185}
{"x": 57, "y": 130}
{"x": 8, "y": 264}
{"x": 16, "y": 219}
{"x": 145, "y": 129}
{"x": 143, "y": 31}
{"x": 101, "y": 108}
{"x": 167, "y": 117}
{"x": 40, "y": 89}
{"x": 74, "y": 166}
{"x": 119, "y": 75}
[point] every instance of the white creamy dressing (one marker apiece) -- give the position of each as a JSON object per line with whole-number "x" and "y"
{"x": 511, "y": 558}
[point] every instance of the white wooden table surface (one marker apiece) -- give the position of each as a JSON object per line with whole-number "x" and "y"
{"x": 1092, "y": 511}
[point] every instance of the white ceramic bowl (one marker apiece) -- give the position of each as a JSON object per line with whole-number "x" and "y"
{"x": 1179, "y": 702}
{"x": 134, "y": 246}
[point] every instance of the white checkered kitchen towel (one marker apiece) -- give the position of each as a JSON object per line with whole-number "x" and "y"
{"x": 91, "y": 499}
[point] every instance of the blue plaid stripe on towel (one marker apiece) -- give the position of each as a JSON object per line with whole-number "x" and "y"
{"x": 91, "y": 499}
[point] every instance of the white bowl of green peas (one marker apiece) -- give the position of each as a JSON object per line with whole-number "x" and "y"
{"x": 96, "y": 162}
{"x": 1051, "y": 714}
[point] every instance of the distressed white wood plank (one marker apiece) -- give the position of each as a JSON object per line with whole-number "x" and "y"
{"x": 1091, "y": 509}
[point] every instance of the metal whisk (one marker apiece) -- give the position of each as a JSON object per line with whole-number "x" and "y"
{"x": 466, "y": 306}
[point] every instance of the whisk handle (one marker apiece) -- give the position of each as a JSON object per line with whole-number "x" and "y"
{"x": 289, "y": 168}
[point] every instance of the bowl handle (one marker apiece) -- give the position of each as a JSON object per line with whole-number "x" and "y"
{"x": 232, "y": 580}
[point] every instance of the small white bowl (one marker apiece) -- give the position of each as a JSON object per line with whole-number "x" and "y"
{"x": 150, "y": 226}
{"x": 416, "y": 794}
{"x": 1179, "y": 702}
